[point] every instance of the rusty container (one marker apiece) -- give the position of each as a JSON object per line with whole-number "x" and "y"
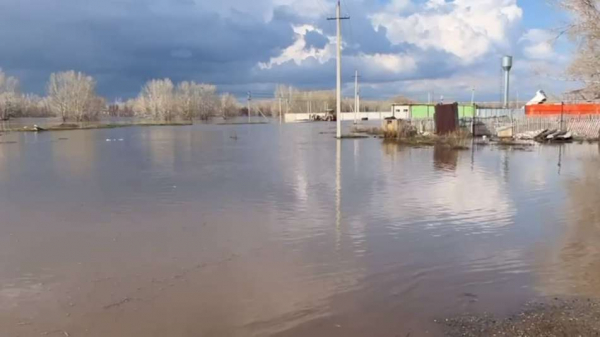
{"x": 446, "y": 118}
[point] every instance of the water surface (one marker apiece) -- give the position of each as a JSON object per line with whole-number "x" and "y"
{"x": 269, "y": 230}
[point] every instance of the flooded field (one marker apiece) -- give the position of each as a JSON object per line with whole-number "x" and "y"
{"x": 269, "y": 230}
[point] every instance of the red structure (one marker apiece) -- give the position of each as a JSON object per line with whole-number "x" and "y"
{"x": 446, "y": 118}
{"x": 566, "y": 109}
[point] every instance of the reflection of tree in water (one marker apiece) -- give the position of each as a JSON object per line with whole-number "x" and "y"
{"x": 391, "y": 147}
{"x": 574, "y": 267}
{"x": 444, "y": 158}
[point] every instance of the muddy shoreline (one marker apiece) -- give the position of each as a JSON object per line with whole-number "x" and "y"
{"x": 552, "y": 317}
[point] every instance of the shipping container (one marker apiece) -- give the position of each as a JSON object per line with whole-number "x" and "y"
{"x": 446, "y": 118}
{"x": 466, "y": 111}
{"x": 422, "y": 111}
{"x": 401, "y": 111}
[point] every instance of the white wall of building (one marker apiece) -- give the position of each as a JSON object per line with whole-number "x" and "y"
{"x": 346, "y": 116}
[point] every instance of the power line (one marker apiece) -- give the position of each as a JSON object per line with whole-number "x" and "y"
{"x": 351, "y": 39}
{"x": 320, "y": 4}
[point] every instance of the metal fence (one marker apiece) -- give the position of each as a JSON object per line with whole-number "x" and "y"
{"x": 581, "y": 126}
{"x": 488, "y": 112}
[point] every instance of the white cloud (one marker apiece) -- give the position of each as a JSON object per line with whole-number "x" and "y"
{"x": 298, "y": 51}
{"x": 397, "y": 6}
{"x": 456, "y": 87}
{"x": 377, "y": 63}
{"x": 539, "y": 44}
{"x": 468, "y": 29}
{"x": 391, "y": 63}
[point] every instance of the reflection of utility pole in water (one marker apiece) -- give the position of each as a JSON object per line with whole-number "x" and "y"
{"x": 560, "y": 151}
{"x": 356, "y": 153}
{"x": 338, "y": 192}
{"x": 473, "y": 154}
{"x": 562, "y": 116}
{"x": 505, "y": 166}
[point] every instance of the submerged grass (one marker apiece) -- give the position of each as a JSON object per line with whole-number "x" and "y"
{"x": 354, "y": 136}
{"x": 430, "y": 141}
{"x": 374, "y": 131}
{"x": 71, "y": 127}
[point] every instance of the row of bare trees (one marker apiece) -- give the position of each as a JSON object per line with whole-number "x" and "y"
{"x": 9, "y": 94}
{"x": 294, "y": 100}
{"x": 162, "y": 100}
{"x": 72, "y": 97}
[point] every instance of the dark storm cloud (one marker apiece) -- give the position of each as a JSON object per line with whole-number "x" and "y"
{"x": 123, "y": 43}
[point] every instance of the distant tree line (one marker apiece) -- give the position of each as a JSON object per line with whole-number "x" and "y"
{"x": 72, "y": 96}
{"x": 162, "y": 100}
{"x": 294, "y": 100}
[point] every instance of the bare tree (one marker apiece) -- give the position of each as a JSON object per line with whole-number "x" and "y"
{"x": 229, "y": 105}
{"x": 157, "y": 100}
{"x": 9, "y": 94}
{"x": 196, "y": 100}
{"x": 72, "y": 95}
{"x": 296, "y": 101}
{"x": 208, "y": 99}
{"x": 33, "y": 106}
{"x": 188, "y": 100}
{"x": 585, "y": 29}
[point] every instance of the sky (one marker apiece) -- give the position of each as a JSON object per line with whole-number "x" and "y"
{"x": 400, "y": 47}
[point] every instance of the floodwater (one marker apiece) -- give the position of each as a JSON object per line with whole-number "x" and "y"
{"x": 269, "y": 230}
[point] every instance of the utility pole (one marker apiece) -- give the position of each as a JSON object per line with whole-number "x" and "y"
{"x": 308, "y": 107}
{"x": 249, "y": 104}
{"x": 339, "y": 19}
{"x": 473, "y": 96}
{"x": 356, "y": 101}
{"x": 280, "y": 110}
{"x": 289, "y": 100}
